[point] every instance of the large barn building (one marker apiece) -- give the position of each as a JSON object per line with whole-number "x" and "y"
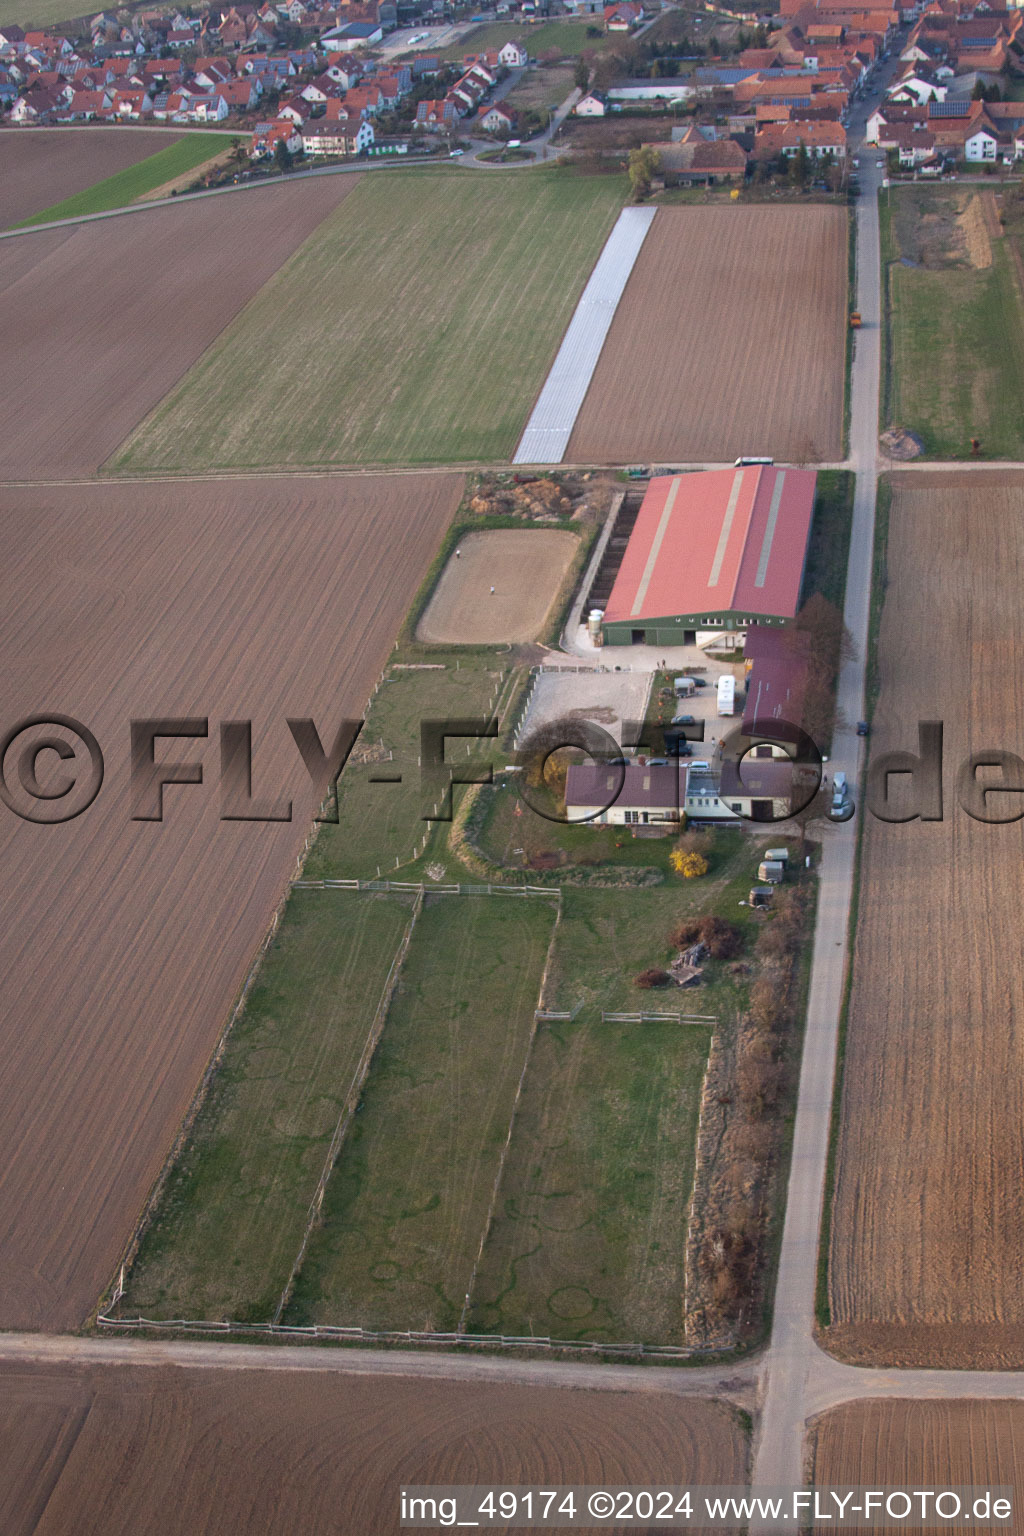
{"x": 713, "y": 551}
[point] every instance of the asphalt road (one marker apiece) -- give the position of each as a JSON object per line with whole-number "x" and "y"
{"x": 793, "y": 1357}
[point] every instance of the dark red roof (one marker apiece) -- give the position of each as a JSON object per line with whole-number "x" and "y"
{"x": 657, "y": 788}
{"x": 777, "y": 681}
{"x": 722, "y": 541}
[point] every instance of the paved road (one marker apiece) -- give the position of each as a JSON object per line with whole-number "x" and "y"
{"x": 793, "y": 1357}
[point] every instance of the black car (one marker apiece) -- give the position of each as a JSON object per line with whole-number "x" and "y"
{"x": 862, "y": 728}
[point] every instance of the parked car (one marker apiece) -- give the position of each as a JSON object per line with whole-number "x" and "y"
{"x": 684, "y": 720}
{"x": 862, "y": 728}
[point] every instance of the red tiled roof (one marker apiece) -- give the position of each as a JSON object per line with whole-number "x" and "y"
{"x": 723, "y": 541}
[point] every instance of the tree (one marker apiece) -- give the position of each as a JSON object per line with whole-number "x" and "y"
{"x": 581, "y": 75}
{"x": 643, "y": 163}
{"x": 799, "y": 166}
{"x": 282, "y": 156}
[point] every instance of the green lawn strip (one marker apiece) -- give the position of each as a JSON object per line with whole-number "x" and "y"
{"x": 406, "y": 1206}
{"x": 415, "y": 326}
{"x": 127, "y": 186}
{"x": 828, "y": 549}
{"x": 230, "y": 1222}
{"x": 956, "y": 360}
{"x": 589, "y": 1238}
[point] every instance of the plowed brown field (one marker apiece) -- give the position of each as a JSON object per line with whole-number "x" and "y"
{"x": 38, "y": 169}
{"x": 99, "y": 320}
{"x": 124, "y": 942}
{"x": 729, "y": 339}
{"x": 927, "y": 1247}
{"x": 175, "y": 1452}
{"x": 894, "y": 1443}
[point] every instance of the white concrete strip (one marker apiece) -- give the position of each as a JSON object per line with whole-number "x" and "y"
{"x": 723, "y": 537}
{"x": 550, "y": 426}
{"x": 769, "y": 532}
{"x": 652, "y": 558}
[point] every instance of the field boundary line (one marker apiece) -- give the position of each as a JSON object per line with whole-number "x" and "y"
{"x": 355, "y": 1335}
{"x": 351, "y": 1099}
{"x": 549, "y": 428}
{"x": 534, "y": 1024}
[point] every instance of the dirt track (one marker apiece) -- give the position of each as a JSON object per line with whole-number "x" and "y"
{"x": 928, "y": 1225}
{"x": 728, "y": 340}
{"x": 40, "y": 169}
{"x": 920, "y": 1445}
{"x": 89, "y": 349}
{"x": 180, "y": 1453}
{"x": 124, "y": 942}
{"x": 524, "y": 566}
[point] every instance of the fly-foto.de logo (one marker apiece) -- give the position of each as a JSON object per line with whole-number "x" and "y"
{"x": 907, "y": 786}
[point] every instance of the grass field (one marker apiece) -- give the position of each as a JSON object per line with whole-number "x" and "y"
{"x": 35, "y": 13}
{"x": 956, "y": 354}
{"x": 379, "y": 823}
{"x": 127, "y": 186}
{"x": 570, "y": 36}
{"x": 406, "y": 1206}
{"x": 544, "y": 89}
{"x": 230, "y": 1224}
{"x": 590, "y": 1235}
{"x": 415, "y": 326}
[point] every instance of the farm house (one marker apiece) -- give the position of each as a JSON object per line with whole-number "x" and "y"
{"x": 633, "y": 794}
{"x": 710, "y": 552}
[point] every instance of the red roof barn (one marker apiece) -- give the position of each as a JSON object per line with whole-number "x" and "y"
{"x": 723, "y": 549}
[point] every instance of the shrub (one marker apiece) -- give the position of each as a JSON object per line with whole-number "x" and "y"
{"x": 690, "y": 865}
{"x": 723, "y": 939}
{"x": 767, "y": 1003}
{"x": 653, "y": 977}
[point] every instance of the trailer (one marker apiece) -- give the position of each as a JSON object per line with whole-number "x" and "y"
{"x": 771, "y": 871}
{"x": 727, "y": 695}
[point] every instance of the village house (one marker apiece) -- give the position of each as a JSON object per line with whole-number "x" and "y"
{"x": 623, "y": 17}
{"x": 436, "y": 116}
{"x": 322, "y": 138}
{"x": 267, "y": 136}
{"x": 498, "y": 119}
{"x": 693, "y": 160}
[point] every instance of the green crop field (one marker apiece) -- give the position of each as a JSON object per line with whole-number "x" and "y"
{"x": 590, "y": 1235}
{"x": 406, "y": 1206}
{"x": 956, "y": 330}
{"x": 416, "y": 326}
{"x": 127, "y": 186}
{"x": 229, "y": 1226}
